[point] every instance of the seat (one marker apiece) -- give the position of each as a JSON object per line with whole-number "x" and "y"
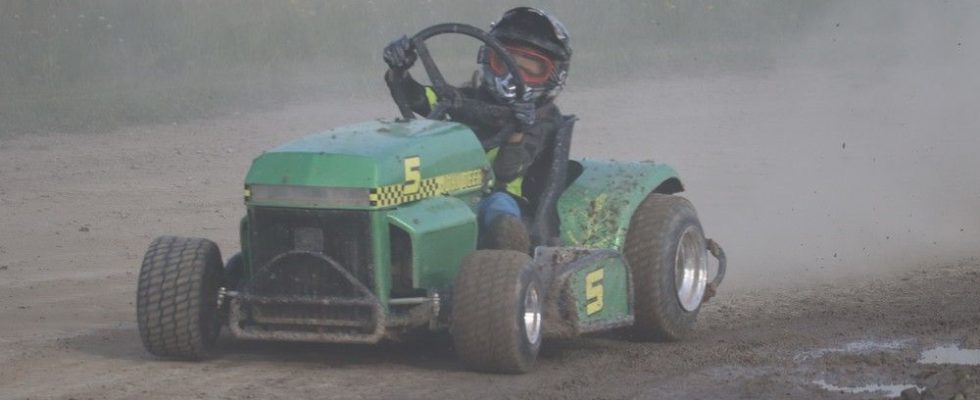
{"x": 544, "y": 192}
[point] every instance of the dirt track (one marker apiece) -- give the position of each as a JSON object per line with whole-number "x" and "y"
{"x": 839, "y": 273}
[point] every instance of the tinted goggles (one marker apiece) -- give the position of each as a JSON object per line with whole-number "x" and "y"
{"x": 535, "y": 67}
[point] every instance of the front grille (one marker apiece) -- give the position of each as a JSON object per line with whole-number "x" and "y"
{"x": 344, "y": 236}
{"x": 401, "y": 263}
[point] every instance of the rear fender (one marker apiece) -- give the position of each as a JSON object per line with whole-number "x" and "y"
{"x": 587, "y": 290}
{"x": 596, "y": 209}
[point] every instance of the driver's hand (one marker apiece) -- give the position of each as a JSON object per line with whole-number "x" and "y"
{"x": 524, "y": 111}
{"x": 399, "y": 54}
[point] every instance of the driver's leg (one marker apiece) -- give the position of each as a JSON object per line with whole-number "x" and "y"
{"x": 500, "y": 222}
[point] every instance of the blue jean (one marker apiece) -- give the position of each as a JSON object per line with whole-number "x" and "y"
{"x": 496, "y": 204}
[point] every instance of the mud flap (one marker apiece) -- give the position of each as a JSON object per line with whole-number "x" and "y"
{"x": 588, "y": 290}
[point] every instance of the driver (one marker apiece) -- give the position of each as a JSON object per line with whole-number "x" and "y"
{"x": 538, "y": 43}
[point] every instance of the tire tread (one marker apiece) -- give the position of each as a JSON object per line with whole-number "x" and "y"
{"x": 647, "y": 249}
{"x": 174, "y": 279}
{"x": 487, "y": 294}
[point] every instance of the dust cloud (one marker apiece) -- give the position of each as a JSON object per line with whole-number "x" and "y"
{"x": 849, "y": 153}
{"x": 819, "y": 140}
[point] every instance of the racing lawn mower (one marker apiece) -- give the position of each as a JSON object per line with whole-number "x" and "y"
{"x": 366, "y": 232}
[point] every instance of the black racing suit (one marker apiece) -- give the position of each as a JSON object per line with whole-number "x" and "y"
{"x": 519, "y": 168}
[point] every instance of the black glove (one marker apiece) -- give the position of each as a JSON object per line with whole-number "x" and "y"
{"x": 399, "y": 54}
{"x": 524, "y": 111}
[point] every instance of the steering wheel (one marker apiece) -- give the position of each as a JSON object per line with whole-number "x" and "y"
{"x": 446, "y": 92}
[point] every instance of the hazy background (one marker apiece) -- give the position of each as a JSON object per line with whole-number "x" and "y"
{"x": 99, "y": 63}
{"x": 819, "y": 140}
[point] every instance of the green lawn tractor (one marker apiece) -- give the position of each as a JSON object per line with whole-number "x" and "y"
{"x": 366, "y": 232}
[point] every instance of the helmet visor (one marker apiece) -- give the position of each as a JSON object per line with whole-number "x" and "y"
{"x": 535, "y": 67}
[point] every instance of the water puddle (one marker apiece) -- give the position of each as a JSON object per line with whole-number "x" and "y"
{"x": 950, "y": 355}
{"x": 863, "y": 346}
{"x": 887, "y": 390}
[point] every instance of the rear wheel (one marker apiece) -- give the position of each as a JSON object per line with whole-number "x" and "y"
{"x": 665, "y": 247}
{"x": 177, "y": 299}
{"x": 496, "y": 317}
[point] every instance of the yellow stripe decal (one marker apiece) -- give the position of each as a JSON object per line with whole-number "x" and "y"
{"x": 431, "y": 97}
{"x": 393, "y": 195}
{"x": 514, "y": 187}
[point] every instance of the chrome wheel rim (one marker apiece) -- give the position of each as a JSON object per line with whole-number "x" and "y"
{"x": 532, "y": 314}
{"x": 690, "y": 269}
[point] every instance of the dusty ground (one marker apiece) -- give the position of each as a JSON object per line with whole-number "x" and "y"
{"x": 847, "y": 203}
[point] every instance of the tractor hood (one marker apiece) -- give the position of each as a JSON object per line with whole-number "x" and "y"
{"x": 395, "y": 162}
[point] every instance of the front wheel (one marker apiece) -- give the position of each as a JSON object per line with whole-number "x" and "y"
{"x": 496, "y": 317}
{"x": 177, "y": 300}
{"x": 666, "y": 250}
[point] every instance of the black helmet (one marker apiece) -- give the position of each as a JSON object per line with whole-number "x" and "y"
{"x": 540, "y": 33}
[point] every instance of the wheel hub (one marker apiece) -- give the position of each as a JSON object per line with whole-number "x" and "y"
{"x": 690, "y": 269}
{"x": 532, "y": 314}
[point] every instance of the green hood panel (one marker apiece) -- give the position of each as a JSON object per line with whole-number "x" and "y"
{"x": 443, "y": 231}
{"x": 369, "y": 155}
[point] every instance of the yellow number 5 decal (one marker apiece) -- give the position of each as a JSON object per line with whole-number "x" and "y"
{"x": 413, "y": 176}
{"x": 593, "y": 292}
